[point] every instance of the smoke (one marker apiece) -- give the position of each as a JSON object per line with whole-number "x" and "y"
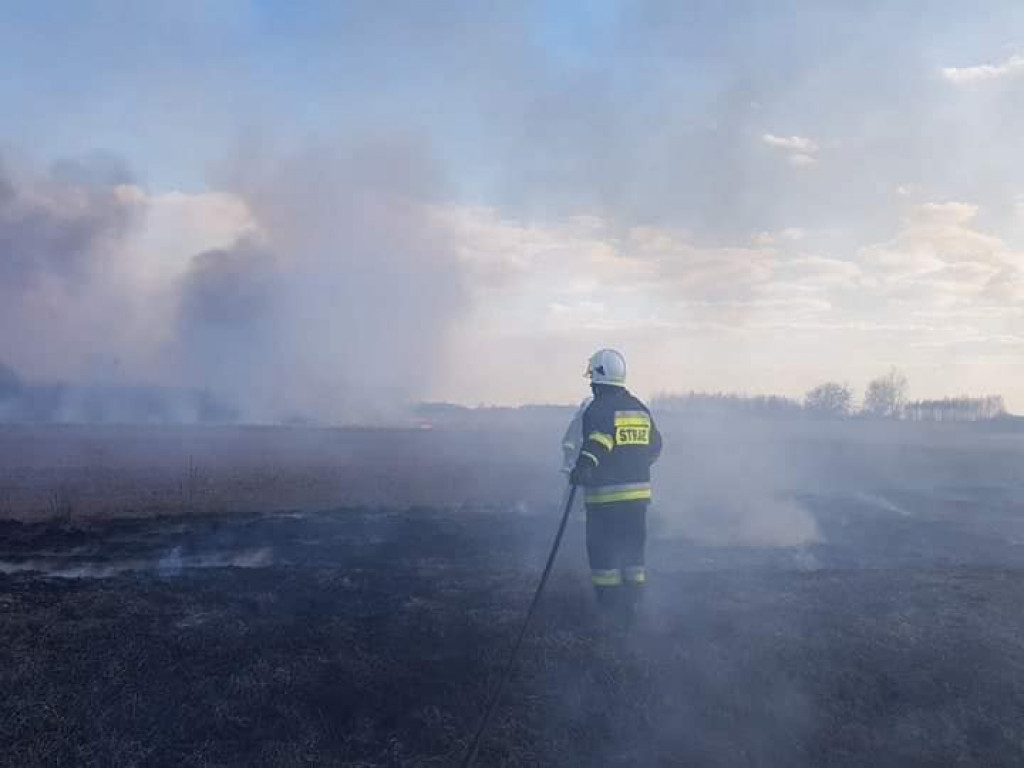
{"x": 342, "y": 307}
{"x": 734, "y": 481}
{"x": 168, "y": 566}
{"x": 59, "y": 234}
{"x": 332, "y": 302}
{"x": 57, "y": 227}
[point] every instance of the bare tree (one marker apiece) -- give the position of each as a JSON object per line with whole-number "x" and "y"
{"x": 963, "y": 408}
{"x": 830, "y": 399}
{"x": 886, "y": 396}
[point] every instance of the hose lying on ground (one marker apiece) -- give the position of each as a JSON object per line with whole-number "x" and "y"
{"x": 492, "y": 705}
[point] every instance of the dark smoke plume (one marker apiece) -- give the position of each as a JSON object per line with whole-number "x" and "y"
{"x": 334, "y": 307}
{"x": 60, "y": 234}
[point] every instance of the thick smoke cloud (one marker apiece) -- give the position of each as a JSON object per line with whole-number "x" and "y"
{"x": 60, "y": 233}
{"x": 57, "y": 227}
{"x": 343, "y": 309}
{"x": 333, "y": 305}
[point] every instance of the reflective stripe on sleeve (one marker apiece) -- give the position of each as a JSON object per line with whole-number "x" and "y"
{"x": 590, "y": 456}
{"x": 601, "y": 438}
{"x": 606, "y": 578}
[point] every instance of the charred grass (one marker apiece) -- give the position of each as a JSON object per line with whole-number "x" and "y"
{"x": 371, "y": 639}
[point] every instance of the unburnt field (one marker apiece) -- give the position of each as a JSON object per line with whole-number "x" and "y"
{"x": 853, "y": 620}
{"x": 83, "y": 473}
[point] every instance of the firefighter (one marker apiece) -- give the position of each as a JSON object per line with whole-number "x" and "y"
{"x": 619, "y": 443}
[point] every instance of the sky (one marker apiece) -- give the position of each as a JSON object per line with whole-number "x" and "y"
{"x": 313, "y": 206}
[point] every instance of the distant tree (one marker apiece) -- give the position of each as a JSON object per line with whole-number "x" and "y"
{"x": 830, "y": 399}
{"x": 721, "y": 403}
{"x": 993, "y": 407}
{"x": 961, "y": 408}
{"x": 886, "y": 396}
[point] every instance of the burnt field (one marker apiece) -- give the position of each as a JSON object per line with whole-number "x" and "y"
{"x": 362, "y": 637}
{"x": 787, "y": 623}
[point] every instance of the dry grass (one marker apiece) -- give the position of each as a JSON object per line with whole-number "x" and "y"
{"x": 88, "y": 473}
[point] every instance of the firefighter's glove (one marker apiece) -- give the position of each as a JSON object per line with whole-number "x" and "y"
{"x": 583, "y": 472}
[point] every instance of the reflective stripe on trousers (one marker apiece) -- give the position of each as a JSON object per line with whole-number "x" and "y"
{"x": 609, "y": 577}
{"x": 614, "y": 577}
{"x": 608, "y": 494}
{"x": 634, "y": 574}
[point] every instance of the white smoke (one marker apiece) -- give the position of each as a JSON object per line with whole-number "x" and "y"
{"x": 169, "y": 565}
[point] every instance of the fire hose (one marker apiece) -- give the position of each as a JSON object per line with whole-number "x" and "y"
{"x": 492, "y": 705}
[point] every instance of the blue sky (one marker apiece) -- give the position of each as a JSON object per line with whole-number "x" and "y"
{"x": 170, "y": 85}
{"x": 745, "y": 184}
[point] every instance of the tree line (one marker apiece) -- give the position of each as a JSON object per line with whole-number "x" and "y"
{"x": 886, "y": 397}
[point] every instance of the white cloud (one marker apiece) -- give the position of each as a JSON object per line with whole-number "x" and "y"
{"x": 791, "y": 234}
{"x": 577, "y": 253}
{"x": 688, "y": 269}
{"x": 802, "y": 150}
{"x": 970, "y": 75}
{"x": 818, "y": 272}
{"x": 938, "y": 286}
{"x": 892, "y": 261}
{"x": 580, "y": 273}
{"x": 976, "y": 340}
{"x": 798, "y": 144}
{"x": 786, "y": 306}
{"x": 615, "y": 316}
{"x": 802, "y": 161}
{"x": 940, "y": 260}
{"x": 974, "y": 314}
{"x": 943, "y": 213}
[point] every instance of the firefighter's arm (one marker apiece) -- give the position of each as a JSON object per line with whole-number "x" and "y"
{"x": 656, "y": 444}
{"x": 572, "y": 442}
{"x": 598, "y": 442}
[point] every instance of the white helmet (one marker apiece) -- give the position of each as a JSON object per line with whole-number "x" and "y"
{"x": 607, "y": 366}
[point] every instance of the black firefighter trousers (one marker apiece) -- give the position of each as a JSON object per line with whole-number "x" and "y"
{"x": 616, "y": 534}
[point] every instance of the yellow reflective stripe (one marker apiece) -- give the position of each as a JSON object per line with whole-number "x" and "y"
{"x": 635, "y": 574}
{"x": 632, "y": 422}
{"x": 608, "y": 498}
{"x": 609, "y": 578}
{"x": 632, "y": 415}
{"x": 615, "y": 487}
{"x": 603, "y": 439}
{"x": 590, "y": 456}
